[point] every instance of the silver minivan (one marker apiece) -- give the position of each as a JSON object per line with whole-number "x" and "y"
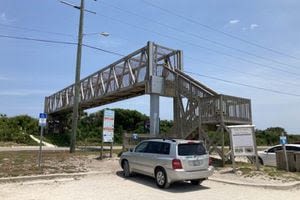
{"x": 168, "y": 161}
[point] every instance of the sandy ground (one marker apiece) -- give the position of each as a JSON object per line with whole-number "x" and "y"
{"x": 112, "y": 165}
{"x": 110, "y": 184}
{"x": 113, "y": 186}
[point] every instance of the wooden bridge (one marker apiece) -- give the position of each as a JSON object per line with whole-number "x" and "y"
{"x": 157, "y": 71}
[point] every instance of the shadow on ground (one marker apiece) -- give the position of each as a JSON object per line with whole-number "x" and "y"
{"x": 178, "y": 187}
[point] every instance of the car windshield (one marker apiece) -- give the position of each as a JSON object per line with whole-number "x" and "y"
{"x": 189, "y": 149}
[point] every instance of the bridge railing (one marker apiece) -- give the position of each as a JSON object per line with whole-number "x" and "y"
{"x": 235, "y": 110}
{"x": 112, "y": 82}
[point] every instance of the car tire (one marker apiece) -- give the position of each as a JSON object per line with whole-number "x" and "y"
{"x": 161, "y": 178}
{"x": 126, "y": 169}
{"x": 197, "y": 182}
{"x": 260, "y": 161}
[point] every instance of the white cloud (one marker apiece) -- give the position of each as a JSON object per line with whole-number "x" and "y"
{"x": 253, "y": 26}
{"x": 4, "y": 19}
{"x": 234, "y": 21}
{"x": 23, "y": 92}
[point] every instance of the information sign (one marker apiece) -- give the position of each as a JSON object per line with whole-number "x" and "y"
{"x": 242, "y": 139}
{"x": 108, "y": 125}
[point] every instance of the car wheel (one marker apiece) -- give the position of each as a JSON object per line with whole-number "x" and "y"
{"x": 161, "y": 178}
{"x": 196, "y": 182}
{"x": 126, "y": 169}
{"x": 260, "y": 161}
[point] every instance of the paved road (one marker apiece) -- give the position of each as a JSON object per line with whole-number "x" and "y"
{"x": 114, "y": 186}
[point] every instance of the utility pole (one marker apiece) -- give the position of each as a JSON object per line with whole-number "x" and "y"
{"x": 77, "y": 80}
{"x": 77, "y": 73}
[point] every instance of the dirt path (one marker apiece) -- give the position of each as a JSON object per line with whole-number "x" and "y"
{"x": 44, "y": 143}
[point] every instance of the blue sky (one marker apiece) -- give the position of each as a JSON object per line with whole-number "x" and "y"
{"x": 30, "y": 70}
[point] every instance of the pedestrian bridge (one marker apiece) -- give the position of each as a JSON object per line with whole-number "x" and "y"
{"x": 157, "y": 71}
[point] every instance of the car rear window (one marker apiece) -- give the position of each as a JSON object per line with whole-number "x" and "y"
{"x": 189, "y": 149}
{"x": 158, "y": 148}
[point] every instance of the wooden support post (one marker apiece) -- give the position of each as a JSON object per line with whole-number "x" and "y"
{"x": 111, "y": 149}
{"x": 232, "y": 152}
{"x": 223, "y": 144}
{"x": 101, "y": 152}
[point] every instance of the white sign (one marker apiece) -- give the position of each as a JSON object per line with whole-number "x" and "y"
{"x": 242, "y": 140}
{"x": 108, "y": 135}
{"x": 43, "y": 119}
{"x": 108, "y": 126}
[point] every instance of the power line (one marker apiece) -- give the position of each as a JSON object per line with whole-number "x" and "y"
{"x": 218, "y": 31}
{"x": 103, "y": 50}
{"x": 37, "y": 40}
{"x": 59, "y": 42}
{"x": 243, "y": 84}
{"x": 225, "y": 68}
{"x": 119, "y": 54}
{"x": 198, "y": 36}
{"x": 219, "y": 79}
{"x": 35, "y": 30}
{"x": 174, "y": 28}
{"x": 200, "y": 46}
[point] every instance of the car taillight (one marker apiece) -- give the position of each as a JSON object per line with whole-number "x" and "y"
{"x": 176, "y": 164}
{"x": 210, "y": 161}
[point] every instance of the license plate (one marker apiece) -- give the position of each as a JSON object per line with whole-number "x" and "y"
{"x": 195, "y": 163}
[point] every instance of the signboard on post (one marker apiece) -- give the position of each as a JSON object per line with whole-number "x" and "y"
{"x": 283, "y": 142}
{"x": 108, "y": 125}
{"x": 243, "y": 141}
{"x": 42, "y": 124}
{"x": 282, "y": 139}
{"x": 108, "y": 130}
{"x": 43, "y": 119}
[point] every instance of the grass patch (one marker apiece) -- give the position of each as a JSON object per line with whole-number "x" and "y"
{"x": 249, "y": 170}
{"x": 22, "y": 163}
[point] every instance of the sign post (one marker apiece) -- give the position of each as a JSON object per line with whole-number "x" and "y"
{"x": 283, "y": 142}
{"x": 108, "y": 130}
{"x": 243, "y": 142}
{"x": 42, "y": 124}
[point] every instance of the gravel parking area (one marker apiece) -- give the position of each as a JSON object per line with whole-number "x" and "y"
{"x": 109, "y": 183}
{"x": 114, "y": 187}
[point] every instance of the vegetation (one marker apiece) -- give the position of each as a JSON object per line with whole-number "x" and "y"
{"x": 270, "y": 136}
{"x": 17, "y": 129}
{"x": 24, "y": 163}
{"x": 271, "y": 173}
{"x": 267, "y": 137}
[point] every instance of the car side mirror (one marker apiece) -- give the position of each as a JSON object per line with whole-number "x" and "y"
{"x": 131, "y": 149}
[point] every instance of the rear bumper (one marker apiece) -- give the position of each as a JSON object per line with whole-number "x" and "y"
{"x": 180, "y": 175}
